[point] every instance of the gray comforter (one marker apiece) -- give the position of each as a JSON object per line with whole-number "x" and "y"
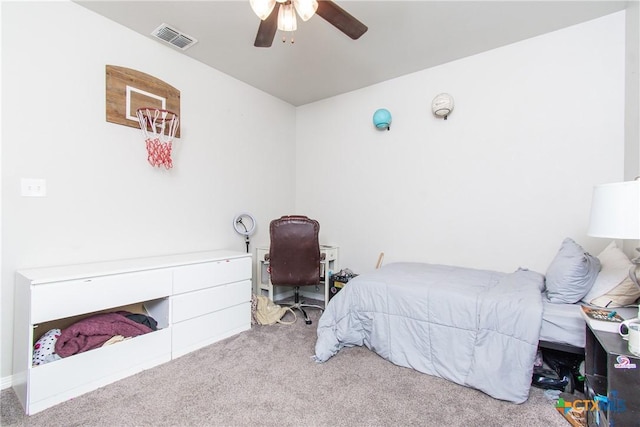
{"x": 476, "y": 328}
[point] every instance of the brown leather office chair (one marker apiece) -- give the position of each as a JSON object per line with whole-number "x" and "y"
{"x": 294, "y": 256}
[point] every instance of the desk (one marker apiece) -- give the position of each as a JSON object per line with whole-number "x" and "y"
{"x": 327, "y": 266}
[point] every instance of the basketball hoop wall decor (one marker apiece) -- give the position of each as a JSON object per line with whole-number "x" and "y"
{"x": 127, "y": 90}
{"x": 139, "y": 100}
{"x": 159, "y": 127}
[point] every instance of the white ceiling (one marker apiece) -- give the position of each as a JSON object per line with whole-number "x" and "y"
{"x": 403, "y": 37}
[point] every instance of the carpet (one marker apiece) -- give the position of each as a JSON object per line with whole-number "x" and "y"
{"x": 266, "y": 377}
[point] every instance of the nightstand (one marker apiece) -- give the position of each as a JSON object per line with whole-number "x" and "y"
{"x": 336, "y": 283}
{"x": 613, "y": 372}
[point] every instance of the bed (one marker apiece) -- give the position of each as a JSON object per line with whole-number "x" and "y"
{"x": 563, "y": 327}
{"x": 477, "y": 328}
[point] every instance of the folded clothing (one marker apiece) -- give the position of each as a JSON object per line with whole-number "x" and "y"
{"x": 94, "y": 331}
{"x": 144, "y": 319}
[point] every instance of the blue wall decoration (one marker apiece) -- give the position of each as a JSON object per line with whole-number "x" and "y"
{"x": 382, "y": 119}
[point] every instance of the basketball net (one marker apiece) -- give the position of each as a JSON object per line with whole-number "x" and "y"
{"x": 159, "y": 128}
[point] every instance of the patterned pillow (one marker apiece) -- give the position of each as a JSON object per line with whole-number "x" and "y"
{"x": 44, "y": 348}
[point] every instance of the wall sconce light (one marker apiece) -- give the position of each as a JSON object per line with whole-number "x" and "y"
{"x": 382, "y": 119}
{"x": 442, "y": 105}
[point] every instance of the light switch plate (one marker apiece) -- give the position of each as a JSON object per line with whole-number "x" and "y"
{"x": 33, "y": 187}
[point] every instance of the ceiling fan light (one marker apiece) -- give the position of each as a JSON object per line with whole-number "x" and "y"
{"x": 262, "y": 8}
{"x": 287, "y": 17}
{"x": 305, "y": 8}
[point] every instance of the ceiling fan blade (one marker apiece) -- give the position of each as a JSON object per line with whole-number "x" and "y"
{"x": 267, "y": 29}
{"x": 341, "y": 19}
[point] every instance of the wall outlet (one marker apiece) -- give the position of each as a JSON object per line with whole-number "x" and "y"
{"x": 33, "y": 187}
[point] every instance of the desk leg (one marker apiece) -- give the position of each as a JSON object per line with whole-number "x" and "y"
{"x": 327, "y": 280}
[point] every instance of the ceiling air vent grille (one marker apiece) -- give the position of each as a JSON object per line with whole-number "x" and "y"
{"x": 174, "y": 37}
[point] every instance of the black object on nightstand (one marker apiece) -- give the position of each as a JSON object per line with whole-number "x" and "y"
{"x": 338, "y": 281}
{"x": 612, "y": 380}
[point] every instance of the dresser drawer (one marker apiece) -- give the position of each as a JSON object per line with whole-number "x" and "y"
{"x": 196, "y": 333}
{"x": 205, "y": 275}
{"x": 194, "y": 304}
{"x": 330, "y": 253}
{"x": 57, "y": 300}
{"x": 72, "y": 376}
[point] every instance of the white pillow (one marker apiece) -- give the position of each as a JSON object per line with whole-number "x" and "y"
{"x": 615, "y": 269}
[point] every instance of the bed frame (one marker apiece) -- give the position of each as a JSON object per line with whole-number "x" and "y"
{"x": 561, "y": 347}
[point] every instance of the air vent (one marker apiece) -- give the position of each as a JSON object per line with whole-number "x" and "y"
{"x": 174, "y": 37}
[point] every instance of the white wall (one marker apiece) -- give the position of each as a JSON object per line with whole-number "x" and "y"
{"x": 104, "y": 201}
{"x": 632, "y": 103}
{"x": 632, "y": 92}
{"x": 500, "y": 183}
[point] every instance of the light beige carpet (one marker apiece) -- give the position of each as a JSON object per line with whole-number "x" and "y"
{"x": 265, "y": 377}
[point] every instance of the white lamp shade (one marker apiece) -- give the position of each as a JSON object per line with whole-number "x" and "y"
{"x": 305, "y": 8}
{"x": 615, "y": 210}
{"x": 262, "y": 8}
{"x": 287, "y": 18}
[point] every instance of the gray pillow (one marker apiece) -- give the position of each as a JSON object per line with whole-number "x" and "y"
{"x": 571, "y": 274}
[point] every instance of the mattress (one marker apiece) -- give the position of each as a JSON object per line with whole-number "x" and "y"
{"x": 562, "y": 324}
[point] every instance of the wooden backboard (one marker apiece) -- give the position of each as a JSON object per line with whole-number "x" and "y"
{"x": 128, "y": 90}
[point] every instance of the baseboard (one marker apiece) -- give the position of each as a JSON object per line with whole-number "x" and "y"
{"x": 6, "y": 382}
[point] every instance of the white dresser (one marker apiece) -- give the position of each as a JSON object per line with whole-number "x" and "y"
{"x": 196, "y": 298}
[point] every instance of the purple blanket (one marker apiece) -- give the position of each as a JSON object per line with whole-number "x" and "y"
{"x": 94, "y": 331}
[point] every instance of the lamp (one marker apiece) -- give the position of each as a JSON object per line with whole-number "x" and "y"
{"x": 241, "y": 228}
{"x": 382, "y": 119}
{"x": 615, "y": 213}
{"x": 442, "y": 105}
{"x": 305, "y": 8}
{"x": 286, "y": 14}
{"x": 287, "y": 17}
{"x": 262, "y": 8}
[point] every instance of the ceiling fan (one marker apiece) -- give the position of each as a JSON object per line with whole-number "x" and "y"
{"x": 280, "y": 14}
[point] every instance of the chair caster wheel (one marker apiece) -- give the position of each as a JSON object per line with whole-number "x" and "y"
{"x": 308, "y": 322}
